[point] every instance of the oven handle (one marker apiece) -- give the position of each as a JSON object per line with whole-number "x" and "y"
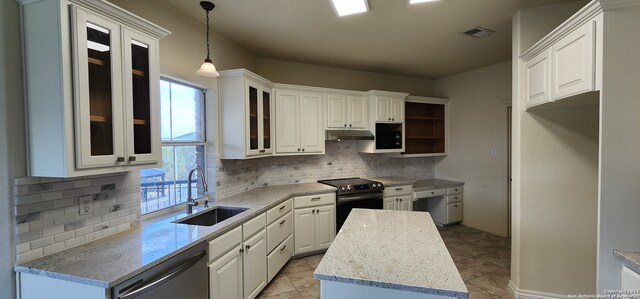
{"x": 349, "y": 198}
{"x": 139, "y": 290}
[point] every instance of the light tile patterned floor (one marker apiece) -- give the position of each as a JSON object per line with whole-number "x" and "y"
{"x": 483, "y": 259}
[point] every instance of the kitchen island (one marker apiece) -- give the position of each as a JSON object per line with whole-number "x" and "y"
{"x": 389, "y": 254}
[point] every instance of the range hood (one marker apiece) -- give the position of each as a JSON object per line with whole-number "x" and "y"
{"x": 337, "y": 135}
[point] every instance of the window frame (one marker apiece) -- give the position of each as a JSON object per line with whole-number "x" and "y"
{"x": 202, "y": 142}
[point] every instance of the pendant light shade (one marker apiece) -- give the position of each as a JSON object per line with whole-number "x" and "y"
{"x": 207, "y": 69}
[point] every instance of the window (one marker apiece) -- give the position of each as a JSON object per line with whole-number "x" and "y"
{"x": 183, "y": 148}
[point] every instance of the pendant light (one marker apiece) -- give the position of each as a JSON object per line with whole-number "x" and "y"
{"x": 207, "y": 68}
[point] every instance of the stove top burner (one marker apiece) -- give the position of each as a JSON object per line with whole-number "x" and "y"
{"x": 354, "y": 185}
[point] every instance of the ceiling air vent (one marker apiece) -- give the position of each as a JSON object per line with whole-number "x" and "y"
{"x": 478, "y": 32}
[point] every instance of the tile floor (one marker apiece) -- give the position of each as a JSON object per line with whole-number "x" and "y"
{"x": 483, "y": 259}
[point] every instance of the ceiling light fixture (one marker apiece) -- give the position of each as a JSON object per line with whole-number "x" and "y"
{"x": 349, "y": 7}
{"x": 421, "y": 1}
{"x": 207, "y": 68}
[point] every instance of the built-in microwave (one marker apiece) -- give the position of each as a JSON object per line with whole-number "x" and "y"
{"x": 388, "y": 136}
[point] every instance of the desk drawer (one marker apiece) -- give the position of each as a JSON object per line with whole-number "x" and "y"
{"x": 430, "y": 193}
{"x": 454, "y": 198}
{"x": 455, "y": 190}
{"x": 279, "y": 211}
{"x": 279, "y": 230}
{"x": 314, "y": 200}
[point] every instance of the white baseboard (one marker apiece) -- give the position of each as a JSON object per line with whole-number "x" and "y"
{"x": 528, "y": 294}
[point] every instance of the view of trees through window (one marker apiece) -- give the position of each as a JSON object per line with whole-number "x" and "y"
{"x": 183, "y": 148}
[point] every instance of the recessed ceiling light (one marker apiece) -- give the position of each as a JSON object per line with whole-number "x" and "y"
{"x": 349, "y": 7}
{"x": 421, "y": 1}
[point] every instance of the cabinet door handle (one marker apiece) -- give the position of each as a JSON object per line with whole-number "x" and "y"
{"x": 248, "y": 246}
{"x": 455, "y": 206}
{"x": 432, "y": 193}
{"x": 120, "y": 159}
{"x": 132, "y": 158}
{"x": 283, "y": 247}
{"x": 399, "y": 189}
{"x": 241, "y": 250}
{"x": 282, "y": 207}
{"x": 283, "y": 221}
{"x": 315, "y": 199}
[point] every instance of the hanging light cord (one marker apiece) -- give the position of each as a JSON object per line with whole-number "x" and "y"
{"x": 208, "y": 36}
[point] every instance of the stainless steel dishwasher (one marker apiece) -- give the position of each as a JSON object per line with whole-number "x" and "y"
{"x": 182, "y": 276}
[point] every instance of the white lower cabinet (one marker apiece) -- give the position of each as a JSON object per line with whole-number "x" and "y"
{"x": 238, "y": 268}
{"x": 629, "y": 280}
{"x": 315, "y": 226}
{"x": 255, "y": 265}
{"x": 279, "y": 257}
{"x": 398, "y": 198}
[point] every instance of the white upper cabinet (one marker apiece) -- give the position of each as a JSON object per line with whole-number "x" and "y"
{"x": 92, "y": 82}
{"x": 564, "y": 64}
{"x": 346, "y": 112}
{"x": 389, "y": 106}
{"x": 572, "y": 63}
{"x": 299, "y": 122}
{"x": 246, "y": 115}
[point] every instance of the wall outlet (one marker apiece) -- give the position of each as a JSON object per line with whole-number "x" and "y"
{"x": 85, "y": 205}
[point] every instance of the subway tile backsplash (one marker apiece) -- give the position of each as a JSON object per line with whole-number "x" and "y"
{"x": 341, "y": 160}
{"x": 48, "y": 213}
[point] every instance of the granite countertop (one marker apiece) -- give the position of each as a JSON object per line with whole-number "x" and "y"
{"x": 394, "y": 181}
{"x": 430, "y": 184}
{"x": 629, "y": 259}
{"x": 112, "y": 260}
{"x": 394, "y": 250}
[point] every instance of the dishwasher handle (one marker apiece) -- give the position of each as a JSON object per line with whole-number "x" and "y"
{"x": 139, "y": 290}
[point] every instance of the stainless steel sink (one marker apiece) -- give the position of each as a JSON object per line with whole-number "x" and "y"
{"x": 213, "y": 216}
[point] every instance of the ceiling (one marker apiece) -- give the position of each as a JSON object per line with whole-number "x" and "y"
{"x": 420, "y": 40}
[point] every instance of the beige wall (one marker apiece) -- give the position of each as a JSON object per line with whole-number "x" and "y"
{"x": 478, "y": 123}
{"x": 555, "y": 178}
{"x": 12, "y": 141}
{"x": 322, "y": 76}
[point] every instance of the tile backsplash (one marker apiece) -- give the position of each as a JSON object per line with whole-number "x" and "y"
{"x": 49, "y": 218}
{"x": 341, "y": 160}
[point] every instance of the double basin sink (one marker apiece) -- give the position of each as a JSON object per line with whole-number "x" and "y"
{"x": 212, "y": 216}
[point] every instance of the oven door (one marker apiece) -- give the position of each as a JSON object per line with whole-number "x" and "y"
{"x": 346, "y": 203}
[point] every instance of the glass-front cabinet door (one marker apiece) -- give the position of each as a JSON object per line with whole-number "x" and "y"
{"x": 141, "y": 83}
{"x": 267, "y": 121}
{"x": 98, "y": 91}
{"x": 254, "y": 124}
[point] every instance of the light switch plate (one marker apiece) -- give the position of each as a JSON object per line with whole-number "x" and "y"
{"x": 85, "y": 205}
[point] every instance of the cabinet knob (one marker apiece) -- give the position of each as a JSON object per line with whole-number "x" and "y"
{"x": 393, "y": 119}
{"x": 389, "y": 118}
{"x": 132, "y": 158}
{"x": 313, "y": 211}
{"x": 248, "y": 246}
{"x": 345, "y": 125}
{"x": 241, "y": 250}
{"x": 120, "y": 159}
{"x": 298, "y": 149}
{"x": 303, "y": 150}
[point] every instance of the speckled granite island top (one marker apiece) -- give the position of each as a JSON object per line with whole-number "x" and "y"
{"x": 629, "y": 259}
{"x": 394, "y": 250}
{"x": 422, "y": 185}
{"x": 112, "y": 260}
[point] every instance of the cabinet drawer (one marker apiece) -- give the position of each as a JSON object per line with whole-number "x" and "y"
{"x": 279, "y": 257}
{"x": 279, "y": 211}
{"x": 224, "y": 243}
{"x": 454, "y": 212}
{"x": 254, "y": 225}
{"x": 455, "y": 190}
{"x": 397, "y": 191}
{"x": 430, "y": 193}
{"x": 314, "y": 200}
{"x": 454, "y": 198}
{"x": 279, "y": 230}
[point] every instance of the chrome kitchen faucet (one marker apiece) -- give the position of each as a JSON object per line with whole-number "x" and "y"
{"x": 190, "y": 201}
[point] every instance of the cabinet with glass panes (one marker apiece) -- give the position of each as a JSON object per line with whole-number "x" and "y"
{"x": 246, "y": 115}
{"x": 426, "y": 126}
{"x": 92, "y": 82}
